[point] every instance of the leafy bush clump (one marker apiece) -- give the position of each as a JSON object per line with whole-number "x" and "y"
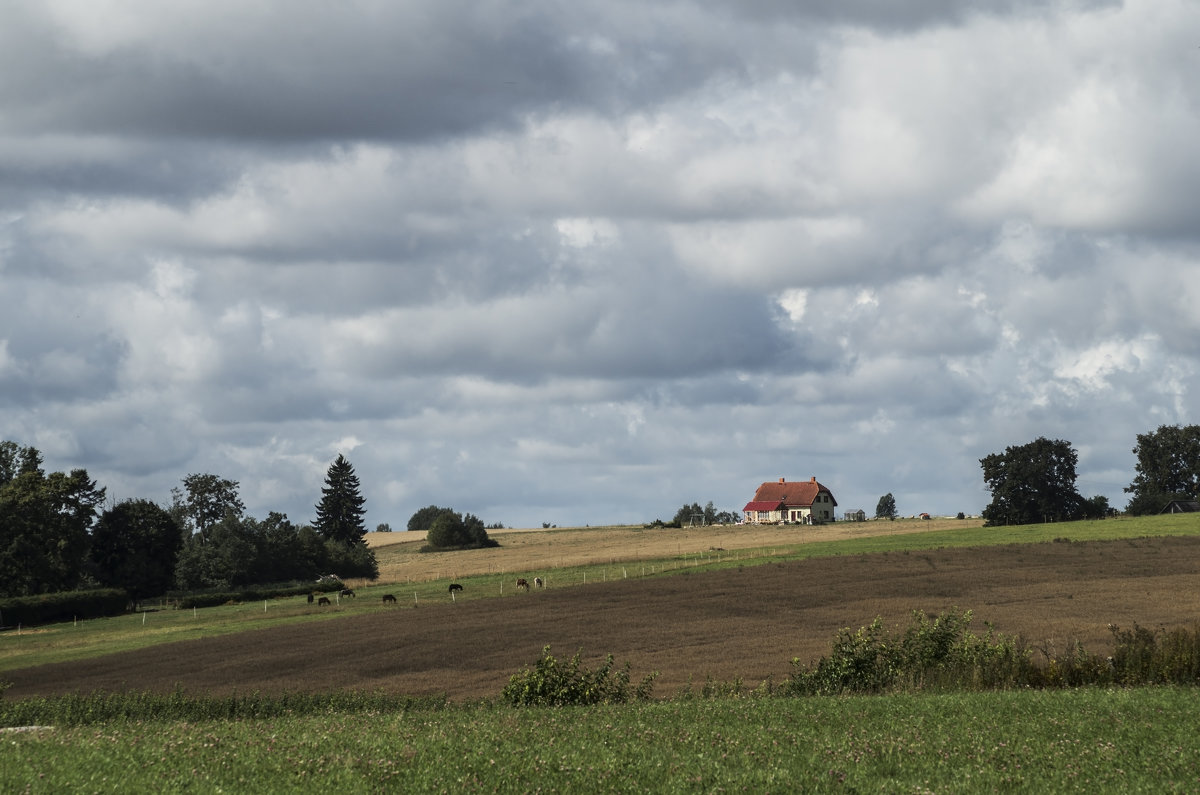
{"x": 1156, "y": 658}
{"x": 554, "y": 684}
{"x": 941, "y": 654}
{"x": 933, "y": 654}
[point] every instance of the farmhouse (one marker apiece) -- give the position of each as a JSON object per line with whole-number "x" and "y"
{"x": 803, "y": 501}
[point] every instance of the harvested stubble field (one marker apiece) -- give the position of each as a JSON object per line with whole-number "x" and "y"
{"x": 742, "y": 623}
{"x": 537, "y": 551}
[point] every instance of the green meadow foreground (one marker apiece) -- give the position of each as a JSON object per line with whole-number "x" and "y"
{"x": 713, "y": 618}
{"x": 1092, "y": 740}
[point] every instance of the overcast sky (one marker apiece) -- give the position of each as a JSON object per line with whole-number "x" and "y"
{"x": 587, "y": 262}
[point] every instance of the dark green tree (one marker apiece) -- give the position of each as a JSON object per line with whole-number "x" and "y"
{"x": 280, "y": 554}
{"x": 1168, "y": 467}
{"x": 225, "y": 559}
{"x": 340, "y": 511}
{"x": 44, "y": 523}
{"x": 452, "y": 530}
{"x": 205, "y": 500}
{"x": 886, "y": 508}
{"x": 350, "y": 560}
{"x": 135, "y": 546}
{"x": 1094, "y": 508}
{"x": 422, "y": 520}
{"x": 689, "y": 515}
{"x": 1032, "y": 483}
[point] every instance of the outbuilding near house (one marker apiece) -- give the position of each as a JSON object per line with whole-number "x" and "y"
{"x": 802, "y": 501}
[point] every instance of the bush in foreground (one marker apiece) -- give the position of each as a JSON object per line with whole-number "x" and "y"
{"x": 941, "y": 654}
{"x": 554, "y": 684}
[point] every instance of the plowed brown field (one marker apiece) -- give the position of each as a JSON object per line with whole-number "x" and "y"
{"x": 739, "y": 623}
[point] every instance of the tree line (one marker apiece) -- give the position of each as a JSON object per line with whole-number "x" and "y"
{"x": 55, "y": 535}
{"x": 1035, "y": 482}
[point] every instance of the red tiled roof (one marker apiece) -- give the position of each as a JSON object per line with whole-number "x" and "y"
{"x": 764, "y": 505}
{"x": 794, "y": 494}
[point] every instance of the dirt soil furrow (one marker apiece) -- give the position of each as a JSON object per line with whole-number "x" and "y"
{"x": 740, "y": 623}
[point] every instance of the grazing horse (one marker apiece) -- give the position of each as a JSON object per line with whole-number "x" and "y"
{"x": 387, "y": 597}
{"x": 537, "y": 582}
{"x": 455, "y": 587}
{"x": 523, "y": 583}
{"x": 347, "y": 592}
{"x": 324, "y": 600}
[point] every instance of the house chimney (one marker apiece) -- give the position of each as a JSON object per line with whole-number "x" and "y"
{"x": 814, "y": 480}
{"x": 781, "y": 480}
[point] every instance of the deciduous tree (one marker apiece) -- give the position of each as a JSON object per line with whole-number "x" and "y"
{"x": 422, "y": 520}
{"x": 451, "y": 530}
{"x": 206, "y": 500}
{"x": 886, "y": 508}
{"x": 1032, "y": 483}
{"x": 1168, "y": 467}
{"x": 44, "y": 523}
{"x": 135, "y": 546}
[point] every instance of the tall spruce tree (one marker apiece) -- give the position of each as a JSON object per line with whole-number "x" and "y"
{"x": 340, "y": 511}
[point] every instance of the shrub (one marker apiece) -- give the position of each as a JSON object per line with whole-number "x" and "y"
{"x": 933, "y": 654}
{"x": 552, "y": 683}
{"x": 1145, "y": 657}
{"x": 450, "y": 530}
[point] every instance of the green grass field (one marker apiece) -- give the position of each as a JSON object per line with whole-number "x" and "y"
{"x": 1090, "y": 740}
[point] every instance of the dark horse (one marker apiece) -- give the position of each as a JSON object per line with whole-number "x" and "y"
{"x": 324, "y": 600}
{"x": 347, "y": 592}
{"x": 523, "y": 583}
{"x": 387, "y": 597}
{"x": 455, "y": 587}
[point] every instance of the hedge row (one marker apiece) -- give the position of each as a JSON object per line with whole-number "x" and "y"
{"x": 64, "y": 606}
{"x": 256, "y": 594}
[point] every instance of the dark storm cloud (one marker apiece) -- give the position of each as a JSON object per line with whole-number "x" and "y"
{"x": 355, "y": 71}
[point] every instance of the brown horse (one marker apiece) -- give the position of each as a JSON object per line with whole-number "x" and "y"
{"x": 324, "y": 600}
{"x": 523, "y": 583}
{"x": 388, "y": 598}
{"x": 347, "y": 592}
